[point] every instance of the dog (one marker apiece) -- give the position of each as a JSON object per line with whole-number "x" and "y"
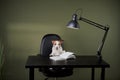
{"x": 57, "y": 48}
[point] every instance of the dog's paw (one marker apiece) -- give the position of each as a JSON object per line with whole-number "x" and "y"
{"x": 52, "y": 55}
{"x": 63, "y": 51}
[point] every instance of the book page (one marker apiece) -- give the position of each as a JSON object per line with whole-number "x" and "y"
{"x": 66, "y": 55}
{"x": 63, "y": 56}
{"x": 57, "y": 58}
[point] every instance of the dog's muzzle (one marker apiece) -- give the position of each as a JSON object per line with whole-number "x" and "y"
{"x": 56, "y": 48}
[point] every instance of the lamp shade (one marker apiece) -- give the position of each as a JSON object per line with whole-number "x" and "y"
{"x": 73, "y": 23}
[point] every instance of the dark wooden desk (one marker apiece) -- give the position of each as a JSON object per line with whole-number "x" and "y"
{"x": 80, "y": 62}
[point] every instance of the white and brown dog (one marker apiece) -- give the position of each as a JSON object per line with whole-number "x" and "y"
{"x": 57, "y": 48}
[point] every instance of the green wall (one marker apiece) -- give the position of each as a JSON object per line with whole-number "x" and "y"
{"x": 24, "y": 22}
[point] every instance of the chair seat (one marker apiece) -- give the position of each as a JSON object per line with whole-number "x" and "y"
{"x": 57, "y": 72}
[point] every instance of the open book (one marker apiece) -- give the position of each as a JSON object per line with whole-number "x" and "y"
{"x": 63, "y": 56}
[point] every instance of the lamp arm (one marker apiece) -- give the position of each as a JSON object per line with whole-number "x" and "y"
{"x": 104, "y": 37}
{"x": 101, "y": 45}
{"x": 94, "y": 23}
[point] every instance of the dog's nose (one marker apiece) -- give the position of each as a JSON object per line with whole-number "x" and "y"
{"x": 56, "y": 48}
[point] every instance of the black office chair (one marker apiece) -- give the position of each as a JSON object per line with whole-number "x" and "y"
{"x": 45, "y": 50}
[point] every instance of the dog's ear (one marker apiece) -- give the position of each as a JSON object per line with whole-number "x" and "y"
{"x": 53, "y": 41}
{"x": 61, "y": 41}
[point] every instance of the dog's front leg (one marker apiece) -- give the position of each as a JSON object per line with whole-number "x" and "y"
{"x": 53, "y": 54}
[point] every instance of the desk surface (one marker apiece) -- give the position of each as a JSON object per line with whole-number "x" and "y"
{"x": 80, "y": 61}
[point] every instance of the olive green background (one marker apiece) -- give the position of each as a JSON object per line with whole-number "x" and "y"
{"x": 23, "y": 23}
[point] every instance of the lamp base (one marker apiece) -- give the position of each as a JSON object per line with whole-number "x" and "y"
{"x": 99, "y": 58}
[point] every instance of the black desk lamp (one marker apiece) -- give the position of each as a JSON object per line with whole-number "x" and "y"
{"x": 74, "y": 24}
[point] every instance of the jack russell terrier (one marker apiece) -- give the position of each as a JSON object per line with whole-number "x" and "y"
{"x": 57, "y": 48}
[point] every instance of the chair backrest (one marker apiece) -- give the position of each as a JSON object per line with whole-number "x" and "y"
{"x": 46, "y": 44}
